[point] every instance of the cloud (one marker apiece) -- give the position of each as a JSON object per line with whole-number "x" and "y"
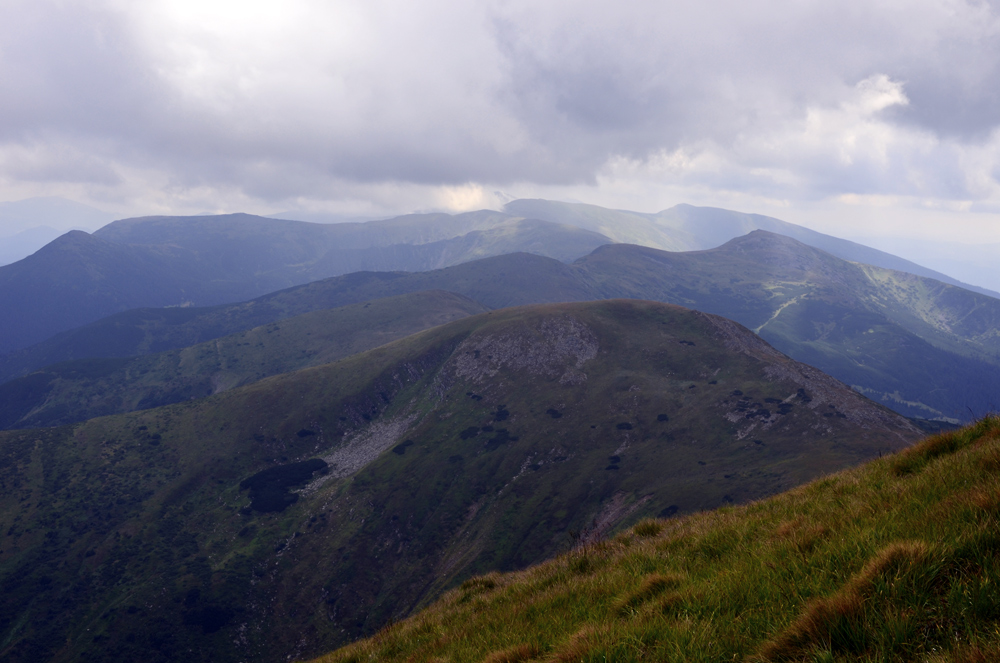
{"x": 173, "y": 102}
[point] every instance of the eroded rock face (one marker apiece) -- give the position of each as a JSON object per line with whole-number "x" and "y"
{"x": 555, "y": 347}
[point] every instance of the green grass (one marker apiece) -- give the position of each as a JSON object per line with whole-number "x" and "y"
{"x": 897, "y": 560}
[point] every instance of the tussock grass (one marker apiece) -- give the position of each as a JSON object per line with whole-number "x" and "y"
{"x": 897, "y": 560}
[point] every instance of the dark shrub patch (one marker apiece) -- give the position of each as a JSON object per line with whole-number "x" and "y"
{"x": 689, "y": 343}
{"x": 269, "y": 489}
{"x": 501, "y": 437}
{"x": 501, "y": 413}
{"x": 624, "y": 426}
{"x": 487, "y": 429}
{"x": 457, "y": 458}
{"x": 211, "y": 618}
{"x": 736, "y": 392}
{"x": 669, "y": 511}
{"x": 469, "y": 432}
{"x": 801, "y": 394}
{"x": 401, "y": 447}
{"x": 713, "y": 382}
{"x": 612, "y": 467}
{"x": 758, "y": 441}
{"x": 305, "y": 432}
{"x": 772, "y": 400}
{"x": 614, "y": 459}
{"x": 554, "y": 413}
{"x": 662, "y": 417}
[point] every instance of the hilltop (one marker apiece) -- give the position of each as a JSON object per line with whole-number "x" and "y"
{"x": 304, "y": 510}
{"x": 925, "y": 348}
{"x": 892, "y": 561}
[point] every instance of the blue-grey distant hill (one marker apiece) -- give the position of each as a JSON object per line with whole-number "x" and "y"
{"x": 690, "y": 228}
{"x": 203, "y": 261}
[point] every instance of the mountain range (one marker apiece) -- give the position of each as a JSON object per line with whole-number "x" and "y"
{"x": 202, "y": 261}
{"x": 922, "y": 347}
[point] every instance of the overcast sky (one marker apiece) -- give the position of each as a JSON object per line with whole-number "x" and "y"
{"x": 858, "y": 115}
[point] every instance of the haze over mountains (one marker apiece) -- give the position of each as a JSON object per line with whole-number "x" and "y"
{"x": 201, "y": 261}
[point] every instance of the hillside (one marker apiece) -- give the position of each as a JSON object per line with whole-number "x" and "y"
{"x": 690, "y": 228}
{"x": 81, "y": 389}
{"x": 925, "y": 348}
{"x": 508, "y": 280}
{"x": 893, "y": 561}
{"x": 288, "y": 516}
{"x": 922, "y": 347}
{"x": 203, "y": 261}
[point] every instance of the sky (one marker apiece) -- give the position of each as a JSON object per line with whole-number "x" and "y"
{"x": 877, "y": 119}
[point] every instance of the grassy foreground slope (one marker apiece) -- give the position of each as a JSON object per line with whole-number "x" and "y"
{"x": 897, "y": 560}
{"x": 189, "y": 532}
{"x": 81, "y": 389}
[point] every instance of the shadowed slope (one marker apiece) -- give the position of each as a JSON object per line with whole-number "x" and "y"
{"x": 489, "y": 443}
{"x": 85, "y": 388}
{"x": 508, "y": 280}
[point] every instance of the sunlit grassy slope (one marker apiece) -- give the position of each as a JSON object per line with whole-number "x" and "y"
{"x": 895, "y": 560}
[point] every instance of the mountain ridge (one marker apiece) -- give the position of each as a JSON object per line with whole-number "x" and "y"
{"x": 473, "y": 446}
